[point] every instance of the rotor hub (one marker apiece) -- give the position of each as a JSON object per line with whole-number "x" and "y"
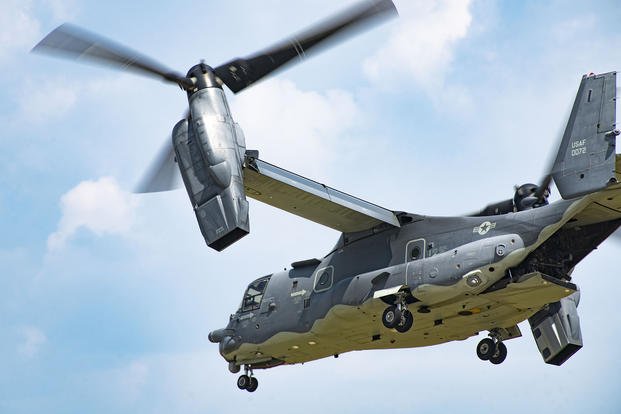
{"x": 203, "y": 76}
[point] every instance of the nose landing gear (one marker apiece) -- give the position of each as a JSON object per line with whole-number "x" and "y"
{"x": 247, "y": 381}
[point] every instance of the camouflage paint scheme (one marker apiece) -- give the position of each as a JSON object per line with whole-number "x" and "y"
{"x": 523, "y": 261}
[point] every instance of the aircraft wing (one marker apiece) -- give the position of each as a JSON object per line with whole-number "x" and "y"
{"x": 309, "y": 199}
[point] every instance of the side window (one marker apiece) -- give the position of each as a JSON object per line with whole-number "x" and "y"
{"x": 254, "y": 294}
{"x": 415, "y": 250}
{"x": 323, "y": 279}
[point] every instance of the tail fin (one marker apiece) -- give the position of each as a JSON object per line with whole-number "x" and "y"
{"x": 585, "y": 162}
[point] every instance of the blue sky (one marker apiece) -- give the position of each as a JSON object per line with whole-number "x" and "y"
{"x": 106, "y": 298}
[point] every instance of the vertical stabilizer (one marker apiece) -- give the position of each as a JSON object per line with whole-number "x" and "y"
{"x": 585, "y": 162}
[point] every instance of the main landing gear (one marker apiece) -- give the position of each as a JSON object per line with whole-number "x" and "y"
{"x": 398, "y": 316}
{"x": 492, "y": 350}
{"x": 247, "y": 381}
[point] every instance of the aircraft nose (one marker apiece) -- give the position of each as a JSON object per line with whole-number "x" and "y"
{"x": 228, "y": 345}
{"x": 226, "y": 339}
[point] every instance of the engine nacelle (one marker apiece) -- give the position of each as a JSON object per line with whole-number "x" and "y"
{"x": 209, "y": 150}
{"x": 556, "y": 330}
{"x": 523, "y": 199}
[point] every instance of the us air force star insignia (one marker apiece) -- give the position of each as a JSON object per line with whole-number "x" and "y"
{"x": 484, "y": 227}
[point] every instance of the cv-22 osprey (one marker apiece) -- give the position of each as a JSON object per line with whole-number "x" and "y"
{"x": 393, "y": 279}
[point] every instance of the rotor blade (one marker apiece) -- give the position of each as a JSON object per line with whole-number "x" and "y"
{"x": 544, "y": 185}
{"x": 71, "y": 41}
{"x": 163, "y": 173}
{"x": 242, "y": 72}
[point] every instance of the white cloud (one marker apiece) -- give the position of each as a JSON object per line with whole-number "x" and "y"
{"x": 46, "y": 100}
{"x": 575, "y": 27}
{"x": 32, "y": 341}
{"x": 18, "y": 28}
{"x": 20, "y": 23}
{"x": 51, "y": 98}
{"x": 287, "y": 123}
{"x": 62, "y": 9}
{"x": 99, "y": 206}
{"x": 422, "y": 46}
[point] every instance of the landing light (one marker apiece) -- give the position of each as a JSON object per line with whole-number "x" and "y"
{"x": 312, "y": 343}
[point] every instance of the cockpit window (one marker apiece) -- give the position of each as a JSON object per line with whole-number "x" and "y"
{"x": 254, "y": 294}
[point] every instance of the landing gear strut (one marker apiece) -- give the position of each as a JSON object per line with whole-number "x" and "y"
{"x": 492, "y": 349}
{"x": 398, "y": 316}
{"x": 407, "y": 320}
{"x": 247, "y": 381}
{"x": 500, "y": 355}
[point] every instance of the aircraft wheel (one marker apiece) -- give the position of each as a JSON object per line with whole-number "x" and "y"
{"x": 391, "y": 317}
{"x": 254, "y": 384}
{"x": 243, "y": 382}
{"x": 485, "y": 349}
{"x": 499, "y": 355}
{"x": 407, "y": 320}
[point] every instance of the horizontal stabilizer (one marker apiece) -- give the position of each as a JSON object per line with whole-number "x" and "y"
{"x": 311, "y": 200}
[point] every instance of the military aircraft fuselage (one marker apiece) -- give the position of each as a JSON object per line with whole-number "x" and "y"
{"x": 443, "y": 266}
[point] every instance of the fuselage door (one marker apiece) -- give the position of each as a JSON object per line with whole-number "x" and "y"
{"x": 414, "y": 253}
